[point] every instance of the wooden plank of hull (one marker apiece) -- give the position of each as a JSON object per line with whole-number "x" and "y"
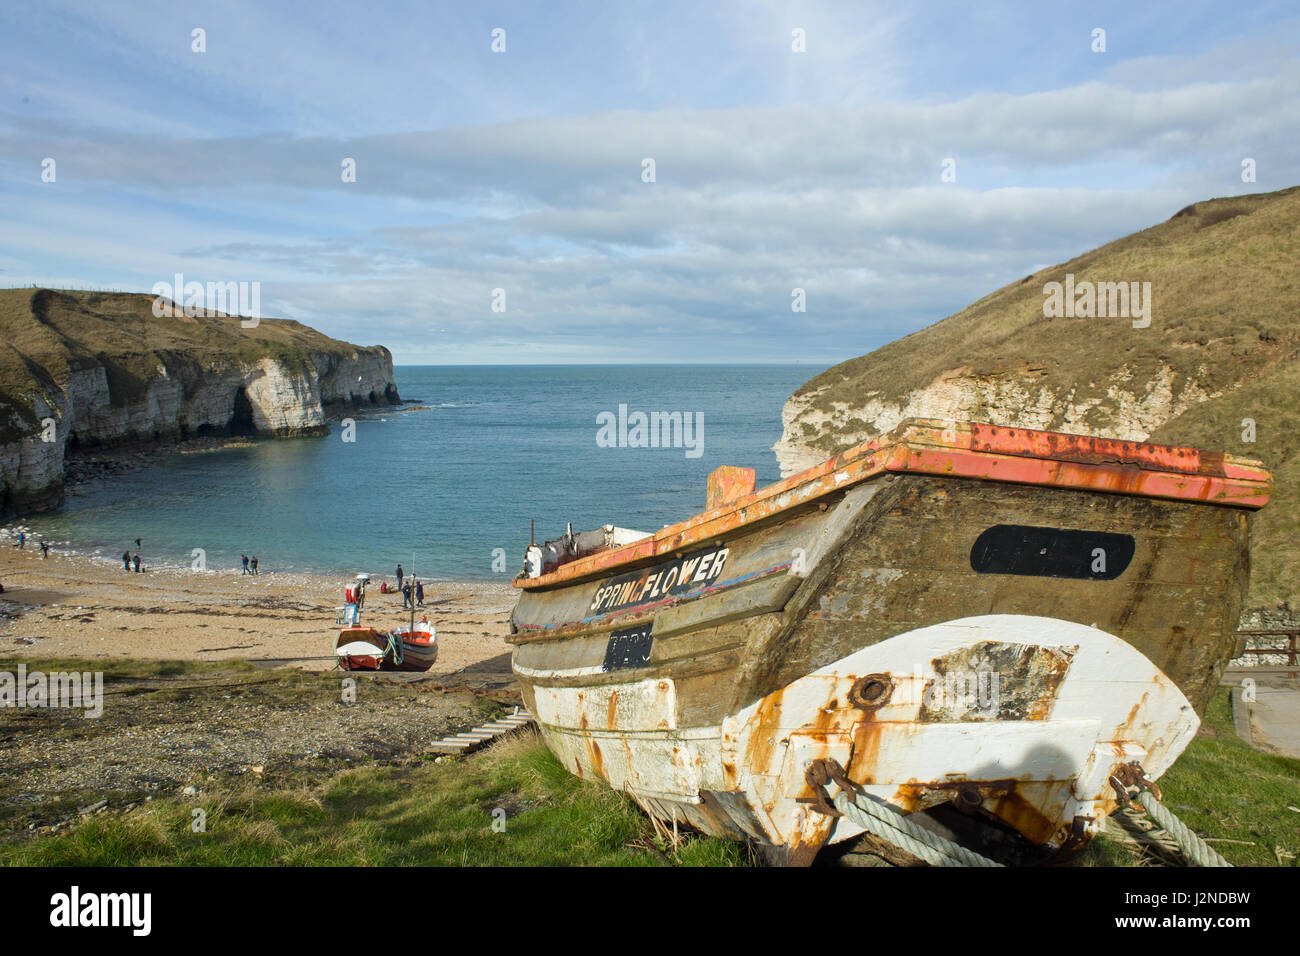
{"x": 889, "y": 558}
{"x": 912, "y": 567}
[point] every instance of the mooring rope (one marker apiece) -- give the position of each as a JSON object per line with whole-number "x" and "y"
{"x": 1193, "y": 847}
{"x": 887, "y": 822}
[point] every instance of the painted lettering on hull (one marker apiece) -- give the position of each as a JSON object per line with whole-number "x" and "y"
{"x": 681, "y": 575}
{"x": 627, "y": 649}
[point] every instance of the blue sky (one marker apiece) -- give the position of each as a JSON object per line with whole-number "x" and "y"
{"x": 522, "y": 170}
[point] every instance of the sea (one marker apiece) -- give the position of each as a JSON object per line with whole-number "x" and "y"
{"x": 448, "y": 483}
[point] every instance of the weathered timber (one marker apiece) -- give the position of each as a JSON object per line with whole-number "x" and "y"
{"x": 1094, "y": 585}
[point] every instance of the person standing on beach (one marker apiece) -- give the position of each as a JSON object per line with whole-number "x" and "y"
{"x": 126, "y": 560}
{"x": 406, "y": 596}
{"x": 253, "y": 562}
{"x": 136, "y": 562}
{"x": 45, "y": 550}
{"x": 22, "y": 540}
{"x": 399, "y": 577}
{"x": 419, "y": 592}
{"x": 244, "y": 558}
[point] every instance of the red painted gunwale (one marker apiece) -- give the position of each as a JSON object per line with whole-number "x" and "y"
{"x": 962, "y": 450}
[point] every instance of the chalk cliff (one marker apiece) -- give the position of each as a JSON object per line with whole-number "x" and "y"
{"x": 84, "y": 369}
{"x": 1216, "y": 366}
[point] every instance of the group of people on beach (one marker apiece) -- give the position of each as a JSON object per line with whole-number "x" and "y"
{"x": 128, "y": 559}
{"x": 250, "y": 564}
{"x": 22, "y": 544}
{"x": 412, "y": 589}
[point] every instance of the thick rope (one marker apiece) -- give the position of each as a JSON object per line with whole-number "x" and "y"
{"x": 1196, "y": 849}
{"x": 883, "y": 820}
{"x": 394, "y": 648}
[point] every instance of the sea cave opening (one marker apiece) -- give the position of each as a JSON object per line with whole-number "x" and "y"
{"x": 241, "y": 420}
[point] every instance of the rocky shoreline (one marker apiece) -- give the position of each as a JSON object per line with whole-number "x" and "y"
{"x": 165, "y": 734}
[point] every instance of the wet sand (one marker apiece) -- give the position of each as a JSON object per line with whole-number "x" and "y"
{"x": 76, "y": 606}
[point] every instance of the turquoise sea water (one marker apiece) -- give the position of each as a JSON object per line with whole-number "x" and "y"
{"x": 443, "y": 488}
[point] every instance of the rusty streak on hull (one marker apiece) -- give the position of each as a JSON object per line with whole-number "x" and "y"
{"x": 847, "y": 613}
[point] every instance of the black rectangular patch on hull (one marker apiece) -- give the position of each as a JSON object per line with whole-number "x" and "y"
{"x": 628, "y": 649}
{"x": 1052, "y": 552}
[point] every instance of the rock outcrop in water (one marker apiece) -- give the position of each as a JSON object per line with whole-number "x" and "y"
{"x": 87, "y": 369}
{"x": 1218, "y": 365}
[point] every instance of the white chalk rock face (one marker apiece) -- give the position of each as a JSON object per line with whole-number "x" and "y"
{"x": 284, "y": 403}
{"x": 364, "y": 377}
{"x": 183, "y": 398}
{"x": 1129, "y": 410}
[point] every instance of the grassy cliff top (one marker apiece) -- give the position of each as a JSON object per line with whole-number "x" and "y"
{"x": 1225, "y": 291}
{"x": 46, "y": 333}
{"x": 1225, "y": 287}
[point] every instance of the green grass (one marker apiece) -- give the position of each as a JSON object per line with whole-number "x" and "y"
{"x": 1223, "y": 788}
{"x": 419, "y": 814}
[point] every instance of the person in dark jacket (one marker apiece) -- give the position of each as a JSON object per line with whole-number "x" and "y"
{"x": 400, "y": 572}
{"x": 126, "y": 560}
{"x": 419, "y": 592}
{"x": 136, "y": 561}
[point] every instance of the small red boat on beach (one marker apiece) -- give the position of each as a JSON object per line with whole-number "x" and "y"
{"x": 363, "y": 648}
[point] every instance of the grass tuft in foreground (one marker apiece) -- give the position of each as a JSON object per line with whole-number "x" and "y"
{"x": 419, "y": 813}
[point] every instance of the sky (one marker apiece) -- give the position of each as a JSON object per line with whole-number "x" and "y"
{"x": 895, "y": 162}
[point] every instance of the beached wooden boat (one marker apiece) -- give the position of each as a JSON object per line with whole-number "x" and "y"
{"x": 994, "y": 620}
{"x": 419, "y": 647}
{"x": 360, "y": 648}
{"x": 367, "y": 649}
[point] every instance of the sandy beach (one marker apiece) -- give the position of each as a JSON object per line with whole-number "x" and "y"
{"x": 75, "y": 606}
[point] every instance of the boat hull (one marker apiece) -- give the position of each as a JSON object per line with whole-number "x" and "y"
{"x": 1039, "y": 715}
{"x": 360, "y": 648}
{"x": 418, "y": 653}
{"x": 366, "y": 649}
{"x": 704, "y": 680}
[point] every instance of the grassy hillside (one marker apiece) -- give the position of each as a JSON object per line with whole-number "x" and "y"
{"x": 1224, "y": 341}
{"x": 45, "y": 333}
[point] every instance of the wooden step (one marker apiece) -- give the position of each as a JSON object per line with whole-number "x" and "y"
{"x": 476, "y": 737}
{"x": 450, "y": 746}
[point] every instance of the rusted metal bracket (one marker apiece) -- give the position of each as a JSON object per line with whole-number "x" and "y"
{"x": 818, "y": 776}
{"x": 1132, "y": 776}
{"x": 821, "y": 772}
